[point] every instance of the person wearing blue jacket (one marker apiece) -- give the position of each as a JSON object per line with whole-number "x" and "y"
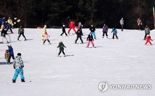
{"x": 114, "y": 31}
{"x": 10, "y": 49}
{"x": 18, "y": 65}
{"x": 2, "y": 20}
{"x": 92, "y": 30}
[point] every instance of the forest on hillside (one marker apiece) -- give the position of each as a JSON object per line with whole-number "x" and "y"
{"x": 34, "y": 13}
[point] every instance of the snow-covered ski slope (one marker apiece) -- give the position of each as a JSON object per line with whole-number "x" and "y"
{"x": 123, "y": 61}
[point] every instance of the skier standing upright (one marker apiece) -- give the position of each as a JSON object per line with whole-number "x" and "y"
{"x": 61, "y": 47}
{"x": 63, "y": 30}
{"x": 147, "y": 31}
{"x": 139, "y": 24}
{"x": 114, "y": 31}
{"x": 71, "y": 26}
{"x": 79, "y": 36}
{"x": 148, "y": 40}
{"x": 122, "y": 23}
{"x": 10, "y": 24}
{"x": 92, "y": 31}
{"x": 21, "y": 32}
{"x": 105, "y": 30}
{"x": 11, "y": 51}
{"x": 18, "y": 65}
{"x": 90, "y": 39}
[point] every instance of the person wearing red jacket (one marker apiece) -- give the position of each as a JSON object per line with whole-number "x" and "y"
{"x": 71, "y": 26}
{"x": 148, "y": 40}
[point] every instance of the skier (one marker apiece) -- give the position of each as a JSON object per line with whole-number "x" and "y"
{"x": 11, "y": 51}
{"x": 7, "y": 56}
{"x": 18, "y": 65}
{"x": 80, "y": 27}
{"x": 61, "y": 47}
{"x": 148, "y": 40}
{"x": 71, "y": 26}
{"x": 46, "y": 38}
{"x": 63, "y": 30}
{"x": 79, "y": 36}
{"x": 147, "y": 31}
{"x": 90, "y": 39}
{"x": 10, "y": 24}
{"x": 21, "y": 32}
{"x": 122, "y": 23}
{"x": 105, "y": 30}
{"x": 2, "y": 20}
{"x": 92, "y": 31}
{"x": 114, "y": 31}
{"x": 139, "y": 24}
{"x": 4, "y": 32}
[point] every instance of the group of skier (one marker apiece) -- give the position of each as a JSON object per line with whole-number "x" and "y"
{"x": 6, "y": 25}
{"x": 18, "y": 63}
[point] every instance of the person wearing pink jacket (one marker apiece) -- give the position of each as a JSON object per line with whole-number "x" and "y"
{"x": 46, "y": 38}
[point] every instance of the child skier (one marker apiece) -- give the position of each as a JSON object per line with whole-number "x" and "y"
{"x": 90, "y": 39}
{"x": 63, "y": 30}
{"x": 80, "y": 27}
{"x": 21, "y": 32}
{"x": 139, "y": 24}
{"x": 114, "y": 31}
{"x": 18, "y": 65}
{"x": 46, "y": 38}
{"x": 79, "y": 36}
{"x": 105, "y": 30}
{"x": 10, "y": 24}
{"x": 148, "y": 40}
{"x": 122, "y": 23}
{"x": 10, "y": 49}
{"x": 4, "y": 32}
{"x": 71, "y": 26}
{"x": 92, "y": 31}
{"x": 61, "y": 47}
{"x": 147, "y": 31}
{"x": 7, "y": 56}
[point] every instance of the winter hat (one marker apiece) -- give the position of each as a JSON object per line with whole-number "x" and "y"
{"x": 18, "y": 54}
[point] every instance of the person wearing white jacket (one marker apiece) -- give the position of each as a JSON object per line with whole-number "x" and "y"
{"x": 18, "y": 65}
{"x": 122, "y": 23}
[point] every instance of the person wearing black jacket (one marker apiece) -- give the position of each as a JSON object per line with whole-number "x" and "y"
{"x": 63, "y": 30}
{"x": 21, "y": 32}
{"x": 90, "y": 39}
{"x": 79, "y": 35}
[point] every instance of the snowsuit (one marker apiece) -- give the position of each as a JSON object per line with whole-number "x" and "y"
{"x": 114, "y": 31}
{"x": 21, "y": 32}
{"x": 61, "y": 47}
{"x": 148, "y": 40}
{"x": 147, "y": 32}
{"x": 105, "y": 31}
{"x": 7, "y": 56}
{"x": 46, "y": 38}
{"x": 79, "y": 36}
{"x": 92, "y": 30}
{"x": 71, "y": 26}
{"x": 10, "y": 49}
{"x": 122, "y": 23}
{"x": 18, "y": 65}
{"x": 63, "y": 30}
{"x": 90, "y": 40}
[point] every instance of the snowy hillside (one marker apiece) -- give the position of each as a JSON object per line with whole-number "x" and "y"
{"x": 123, "y": 61}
